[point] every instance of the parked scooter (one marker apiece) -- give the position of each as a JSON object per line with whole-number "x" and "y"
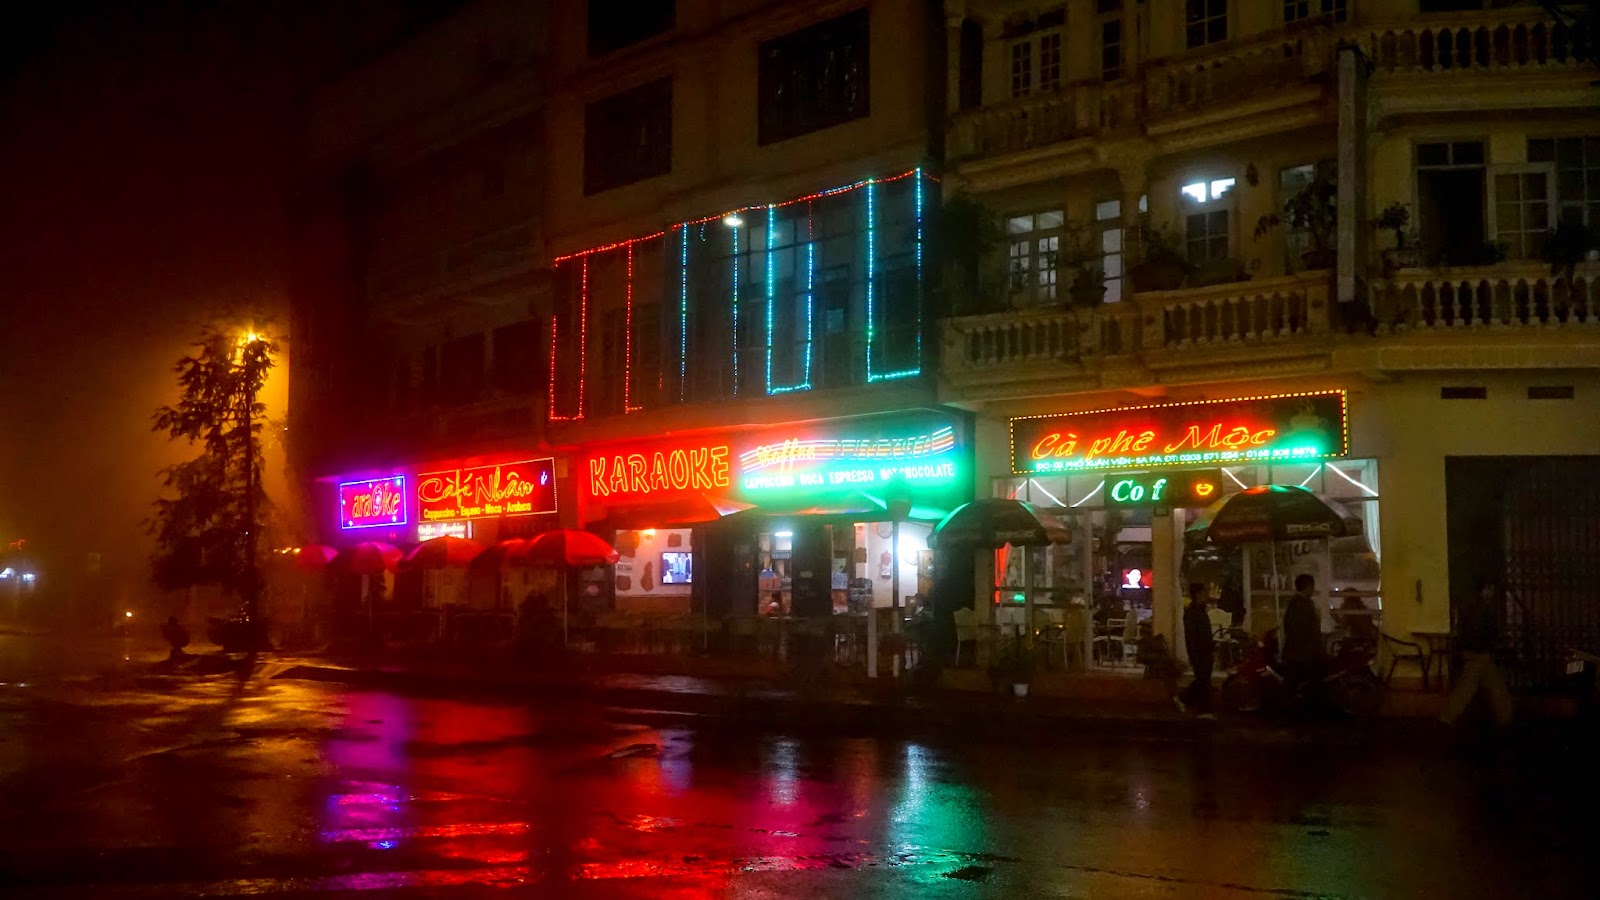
{"x": 1349, "y": 686}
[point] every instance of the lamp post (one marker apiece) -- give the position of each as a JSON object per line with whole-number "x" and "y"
{"x": 249, "y": 344}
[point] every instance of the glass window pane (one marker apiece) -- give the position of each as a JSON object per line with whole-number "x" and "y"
{"x": 1306, "y": 475}
{"x": 1433, "y": 154}
{"x": 1195, "y": 192}
{"x": 1050, "y": 219}
{"x": 1468, "y": 153}
{"x": 1534, "y": 186}
{"x": 1506, "y": 218}
{"x": 1569, "y": 184}
{"x": 1107, "y": 209}
{"x": 1112, "y": 265}
{"x": 1111, "y": 240}
{"x": 1086, "y": 491}
{"x": 1538, "y": 216}
{"x": 1569, "y": 152}
{"x": 1541, "y": 150}
{"x": 1221, "y": 186}
{"x": 1351, "y": 478}
{"x": 1019, "y": 224}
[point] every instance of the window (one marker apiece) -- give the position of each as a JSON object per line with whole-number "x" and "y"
{"x": 1108, "y": 220}
{"x": 813, "y": 79}
{"x": 515, "y": 362}
{"x": 1110, "y": 21}
{"x": 1291, "y": 181}
{"x": 1206, "y": 22}
{"x": 971, "y": 64}
{"x": 1577, "y": 173}
{"x": 614, "y": 24}
{"x": 1301, "y": 10}
{"x": 1036, "y": 53}
{"x": 1451, "y": 201}
{"x": 1035, "y": 240}
{"x": 461, "y": 369}
{"x": 1208, "y": 219}
{"x": 1523, "y": 213}
{"x": 628, "y": 137}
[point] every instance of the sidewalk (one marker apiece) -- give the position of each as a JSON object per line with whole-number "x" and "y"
{"x": 881, "y": 709}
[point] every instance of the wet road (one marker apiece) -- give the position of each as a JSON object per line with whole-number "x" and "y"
{"x": 157, "y": 788}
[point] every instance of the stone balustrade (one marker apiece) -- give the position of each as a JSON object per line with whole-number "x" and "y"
{"x": 1509, "y": 295}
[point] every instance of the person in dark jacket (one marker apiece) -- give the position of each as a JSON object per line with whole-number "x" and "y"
{"x": 1478, "y": 639}
{"x": 1302, "y": 634}
{"x": 1197, "y": 638}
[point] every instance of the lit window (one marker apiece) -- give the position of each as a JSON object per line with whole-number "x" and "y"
{"x": 1300, "y": 10}
{"x": 1108, "y": 219}
{"x": 1035, "y": 242}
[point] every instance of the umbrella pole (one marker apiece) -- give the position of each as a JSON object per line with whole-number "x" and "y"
{"x": 1277, "y": 598}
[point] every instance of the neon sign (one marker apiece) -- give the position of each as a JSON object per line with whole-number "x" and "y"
{"x": 376, "y": 503}
{"x": 922, "y": 457}
{"x": 1174, "y": 489}
{"x": 1276, "y": 428}
{"x": 427, "y": 531}
{"x": 510, "y": 489}
{"x": 659, "y": 471}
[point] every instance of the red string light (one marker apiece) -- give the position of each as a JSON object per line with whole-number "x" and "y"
{"x": 617, "y": 245}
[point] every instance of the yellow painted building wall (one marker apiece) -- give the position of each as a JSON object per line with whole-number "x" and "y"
{"x": 717, "y": 163}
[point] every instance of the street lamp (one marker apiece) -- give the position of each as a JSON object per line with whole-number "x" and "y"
{"x": 250, "y": 343}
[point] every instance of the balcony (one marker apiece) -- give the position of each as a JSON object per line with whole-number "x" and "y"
{"x": 1528, "y": 40}
{"x": 1509, "y": 315}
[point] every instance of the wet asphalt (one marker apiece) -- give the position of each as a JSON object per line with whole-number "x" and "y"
{"x": 146, "y": 787}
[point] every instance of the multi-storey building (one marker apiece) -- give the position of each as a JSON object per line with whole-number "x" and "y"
{"x": 657, "y": 269}
{"x": 1189, "y": 202}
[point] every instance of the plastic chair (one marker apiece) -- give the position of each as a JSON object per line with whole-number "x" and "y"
{"x": 966, "y": 632}
{"x": 1400, "y": 651}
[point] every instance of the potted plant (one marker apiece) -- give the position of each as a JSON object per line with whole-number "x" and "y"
{"x": 1080, "y": 260}
{"x": 1569, "y": 244}
{"x": 1405, "y": 254}
{"x": 1158, "y": 263}
{"x": 1014, "y": 668}
{"x": 1313, "y": 209}
{"x": 970, "y": 236}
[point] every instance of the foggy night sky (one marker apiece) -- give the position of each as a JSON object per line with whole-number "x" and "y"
{"x": 147, "y": 151}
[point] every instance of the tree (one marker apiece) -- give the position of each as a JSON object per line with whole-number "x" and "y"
{"x": 208, "y": 529}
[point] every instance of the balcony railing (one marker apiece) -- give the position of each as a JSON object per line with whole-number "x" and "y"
{"x": 1248, "y": 312}
{"x": 1512, "y": 295}
{"x": 1534, "y": 40}
{"x": 1238, "y": 74}
{"x": 1077, "y": 110}
{"x": 1269, "y": 318}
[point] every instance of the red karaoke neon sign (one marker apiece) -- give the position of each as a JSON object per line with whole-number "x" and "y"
{"x": 374, "y": 503}
{"x": 523, "y": 488}
{"x": 1281, "y": 428}
{"x": 659, "y": 470}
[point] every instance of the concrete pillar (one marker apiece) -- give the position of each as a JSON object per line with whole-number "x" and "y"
{"x": 1351, "y": 228}
{"x": 1166, "y": 588}
{"x": 983, "y": 586}
{"x": 955, "y": 13}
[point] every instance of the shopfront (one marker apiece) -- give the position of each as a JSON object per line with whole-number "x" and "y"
{"x": 1129, "y": 482}
{"x": 484, "y": 501}
{"x": 798, "y": 519}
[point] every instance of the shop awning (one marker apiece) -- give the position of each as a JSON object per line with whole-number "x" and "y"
{"x": 691, "y": 510}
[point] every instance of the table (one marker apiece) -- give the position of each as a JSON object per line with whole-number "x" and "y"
{"x": 1437, "y": 644}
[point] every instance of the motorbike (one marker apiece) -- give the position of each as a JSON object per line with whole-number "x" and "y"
{"x": 1349, "y": 686}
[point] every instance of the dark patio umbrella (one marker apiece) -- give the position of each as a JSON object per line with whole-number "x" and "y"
{"x": 997, "y": 521}
{"x": 1271, "y": 513}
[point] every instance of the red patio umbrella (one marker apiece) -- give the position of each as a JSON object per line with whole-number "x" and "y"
{"x": 367, "y": 558}
{"x": 509, "y": 552}
{"x": 314, "y": 557}
{"x": 566, "y": 546}
{"x": 569, "y": 548}
{"x": 447, "y": 552}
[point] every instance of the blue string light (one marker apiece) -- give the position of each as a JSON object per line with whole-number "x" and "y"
{"x": 872, "y": 254}
{"x": 772, "y": 218}
{"x": 683, "y": 317}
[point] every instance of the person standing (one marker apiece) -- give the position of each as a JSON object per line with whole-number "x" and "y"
{"x": 1197, "y": 638}
{"x": 1478, "y": 637}
{"x": 1302, "y": 635}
